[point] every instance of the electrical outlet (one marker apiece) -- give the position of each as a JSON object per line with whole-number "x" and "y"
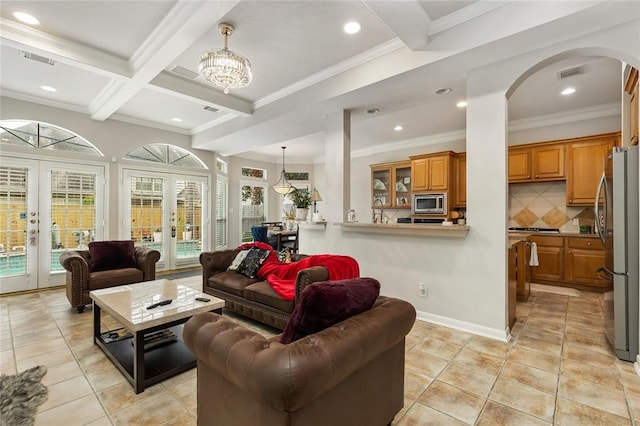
{"x": 423, "y": 290}
{"x": 576, "y": 221}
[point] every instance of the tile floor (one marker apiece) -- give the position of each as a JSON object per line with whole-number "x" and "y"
{"x": 557, "y": 369}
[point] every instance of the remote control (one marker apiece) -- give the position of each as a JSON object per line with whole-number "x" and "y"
{"x": 155, "y": 305}
{"x": 202, "y": 299}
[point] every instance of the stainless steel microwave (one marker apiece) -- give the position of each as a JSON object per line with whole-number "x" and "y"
{"x": 434, "y": 203}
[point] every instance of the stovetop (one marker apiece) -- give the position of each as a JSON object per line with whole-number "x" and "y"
{"x": 530, "y": 229}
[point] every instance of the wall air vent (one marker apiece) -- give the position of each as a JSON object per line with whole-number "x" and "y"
{"x": 570, "y": 72}
{"x": 37, "y": 58}
{"x": 210, "y": 108}
{"x": 184, "y": 72}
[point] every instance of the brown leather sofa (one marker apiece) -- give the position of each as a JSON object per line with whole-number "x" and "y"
{"x": 349, "y": 374}
{"x": 80, "y": 280}
{"x": 253, "y": 297}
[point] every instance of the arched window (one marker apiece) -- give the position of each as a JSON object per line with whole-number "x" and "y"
{"x": 44, "y": 136}
{"x": 166, "y": 154}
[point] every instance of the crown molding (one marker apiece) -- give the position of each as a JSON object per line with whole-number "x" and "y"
{"x": 465, "y": 14}
{"x": 581, "y": 114}
{"x": 44, "y": 101}
{"x": 145, "y": 123}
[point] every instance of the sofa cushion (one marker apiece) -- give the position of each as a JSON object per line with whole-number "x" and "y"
{"x": 237, "y": 261}
{"x": 326, "y": 303}
{"x": 107, "y": 255}
{"x": 253, "y": 261}
{"x": 231, "y": 282}
{"x": 114, "y": 277}
{"x": 262, "y": 292}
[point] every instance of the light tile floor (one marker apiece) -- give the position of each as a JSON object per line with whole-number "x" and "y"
{"x": 557, "y": 369}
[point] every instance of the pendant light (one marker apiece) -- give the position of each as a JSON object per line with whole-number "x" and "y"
{"x": 283, "y": 187}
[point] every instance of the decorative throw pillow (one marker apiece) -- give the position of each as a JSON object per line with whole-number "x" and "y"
{"x": 106, "y": 255}
{"x": 253, "y": 261}
{"x": 235, "y": 263}
{"x": 326, "y": 303}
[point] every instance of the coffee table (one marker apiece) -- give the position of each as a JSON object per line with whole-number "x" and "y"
{"x": 128, "y": 304}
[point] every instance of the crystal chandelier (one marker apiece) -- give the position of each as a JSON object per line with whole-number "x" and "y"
{"x": 223, "y": 67}
{"x": 283, "y": 187}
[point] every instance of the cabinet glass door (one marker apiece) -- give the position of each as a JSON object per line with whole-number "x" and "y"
{"x": 381, "y": 181}
{"x": 402, "y": 186}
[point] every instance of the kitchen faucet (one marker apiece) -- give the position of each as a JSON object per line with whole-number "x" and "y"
{"x": 373, "y": 210}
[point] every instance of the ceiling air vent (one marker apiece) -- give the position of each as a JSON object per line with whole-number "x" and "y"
{"x": 184, "y": 72}
{"x": 37, "y": 58}
{"x": 571, "y": 72}
{"x": 210, "y": 108}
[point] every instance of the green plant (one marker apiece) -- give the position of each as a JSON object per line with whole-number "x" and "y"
{"x": 301, "y": 199}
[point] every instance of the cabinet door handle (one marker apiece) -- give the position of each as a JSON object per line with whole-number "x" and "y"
{"x": 588, "y": 244}
{"x": 571, "y": 200}
{"x": 569, "y": 252}
{"x": 536, "y": 176}
{"x": 528, "y": 177}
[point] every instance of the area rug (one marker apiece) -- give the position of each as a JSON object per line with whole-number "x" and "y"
{"x": 556, "y": 290}
{"x": 20, "y": 396}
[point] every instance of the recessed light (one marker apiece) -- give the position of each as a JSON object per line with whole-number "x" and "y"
{"x": 443, "y": 91}
{"x": 568, "y": 91}
{"x": 351, "y": 27}
{"x": 26, "y": 18}
{"x": 176, "y": 119}
{"x": 397, "y": 128}
{"x": 48, "y": 89}
{"x": 461, "y": 104}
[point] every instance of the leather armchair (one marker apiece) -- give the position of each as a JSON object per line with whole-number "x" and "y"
{"x": 80, "y": 280}
{"x": 349, "y": 374}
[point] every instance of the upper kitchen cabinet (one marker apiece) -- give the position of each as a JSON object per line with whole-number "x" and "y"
{"x": 585, "y": 166}
{"x": 391, "y": 184}
{"x": 537, "y": 163}
{"x": 631, "y": 87}
{"x": 460, "y": 179}
{"x": 431, "y": 172}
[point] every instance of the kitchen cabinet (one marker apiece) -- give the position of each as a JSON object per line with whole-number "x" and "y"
{"x": 539, "y": 163}
{"x": 631, "y": 87}
{"x": 550, "y": 258}
{"x": 583, "y": 258}
{"x": 585, "y": 165}
{"x": 569, "y": 261}
{"x": 460, "y": 180}
{"x": 391, "y": 184}
{"x": 431, "y": 172}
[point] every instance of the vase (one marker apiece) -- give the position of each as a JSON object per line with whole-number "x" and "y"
{"x": 301, "y": 214}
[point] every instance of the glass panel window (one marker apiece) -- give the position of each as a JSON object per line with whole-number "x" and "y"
{"x": 43, "y": 136}
{"x": 146, "y": 211}
{"x": 253, "y": 210}
{"x": 13, "y": 219}
{"x": 166, "y": 154}
{"x": 256, "y": 173}
{"x": 189, "y": 214}
{"x": 221, "y": 212}
{"x": 221, "y": 166}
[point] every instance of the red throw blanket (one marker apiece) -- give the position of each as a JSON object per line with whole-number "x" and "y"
{"x": 282, "y": 276}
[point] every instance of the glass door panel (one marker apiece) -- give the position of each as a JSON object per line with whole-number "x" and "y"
{"x": 253, "y": 209}
{"x": 188, "y": 208}
{"x": 147, "y": 217}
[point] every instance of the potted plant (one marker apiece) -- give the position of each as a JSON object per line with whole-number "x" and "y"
{"x": 301, "y": 199}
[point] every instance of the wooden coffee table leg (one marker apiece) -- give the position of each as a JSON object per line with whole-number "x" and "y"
{"x": 138, "y": 361}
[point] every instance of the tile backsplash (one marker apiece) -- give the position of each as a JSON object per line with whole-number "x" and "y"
{"x": 543, "y": 205}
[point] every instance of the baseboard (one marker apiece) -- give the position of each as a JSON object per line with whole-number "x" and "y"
{"x": 492, "y": 333}
{"x": 636, "y": 365}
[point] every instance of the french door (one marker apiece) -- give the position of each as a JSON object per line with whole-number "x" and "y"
{"x": 167, "y": 212}
{"x": 46, "y": 208}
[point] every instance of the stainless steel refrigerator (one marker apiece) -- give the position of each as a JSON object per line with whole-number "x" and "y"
{"x": 617, "y": 224}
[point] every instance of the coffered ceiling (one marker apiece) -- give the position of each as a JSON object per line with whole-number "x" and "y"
{"x": 137, "y": 61}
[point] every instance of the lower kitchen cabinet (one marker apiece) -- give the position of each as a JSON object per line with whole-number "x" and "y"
{"x": 569, "y": 261}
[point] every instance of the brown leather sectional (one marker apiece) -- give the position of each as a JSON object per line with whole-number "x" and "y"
{"x": 253, "y": 297}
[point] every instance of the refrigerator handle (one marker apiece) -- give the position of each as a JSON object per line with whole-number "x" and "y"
{"x": 596, "y": 209}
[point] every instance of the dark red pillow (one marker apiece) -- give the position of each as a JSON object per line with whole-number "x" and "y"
{"x": 326, "y": 303}
{"x": 106, "y": 255}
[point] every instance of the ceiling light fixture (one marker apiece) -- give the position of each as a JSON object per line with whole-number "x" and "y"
{"x": 443, "y": 91}
{"x": 351, "y": 27}
{"x": 26, "y": 18}
{"x": 283, "y": 187}
{"x": 48, "y": 89}
{"x": 177, "y": 119}
{"x": 461, "y": 104}
{"x": 223, "y": 67}
{"x": 373, "y": 111}
{"x": 568, "y": 91}
{"x": 397, "y": 128}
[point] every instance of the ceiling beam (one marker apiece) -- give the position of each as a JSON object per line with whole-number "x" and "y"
{"x": 185, "y": 23}
{"x": 407, "y": 19}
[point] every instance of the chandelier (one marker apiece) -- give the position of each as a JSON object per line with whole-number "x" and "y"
{"x": 283, "y": 187}
{"x": 223, "y": 67}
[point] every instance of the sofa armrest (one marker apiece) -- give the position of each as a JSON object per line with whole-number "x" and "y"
{"x": 77, "y": 263}
{"x": 146, "y": 259}
{"x": 288, "y": 377}
{"x": 308, "y": 276}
